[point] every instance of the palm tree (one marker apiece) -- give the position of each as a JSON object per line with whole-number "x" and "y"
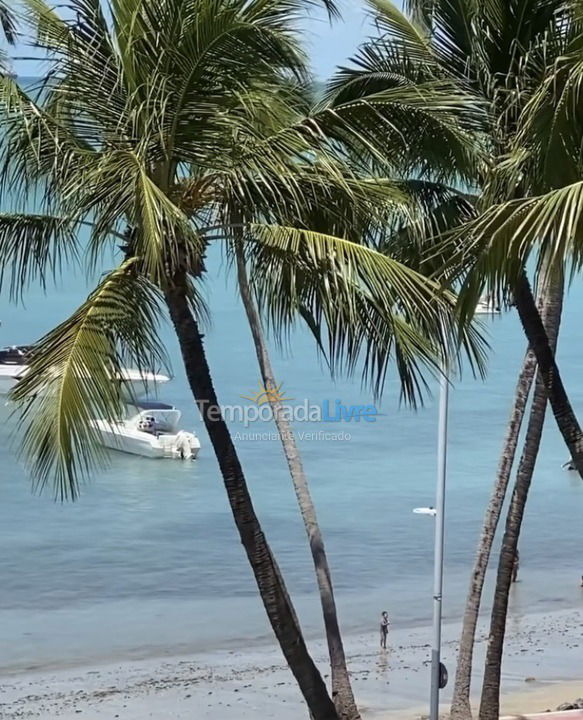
{"x": 460, "y": 708}
{"x": 490, "y": 701}
{"x": 358, "y": 227}
{"x": 461, "y": 698}
{"x": 545, "y": 152}
{"x": 174, "y": 126}
{"x": 499, "y": 54}
{"x": 341, "y": 688}
{"x": 337, "y": 212}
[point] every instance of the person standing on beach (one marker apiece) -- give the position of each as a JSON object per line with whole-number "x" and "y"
{"x": 515, "y": 567}
{"x": 385, "y": 622}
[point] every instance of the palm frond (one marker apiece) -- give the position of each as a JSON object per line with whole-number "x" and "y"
{"x": 499, "y": 243}
{"x": 407, "y": 34}
{"x": 382, "y": 64}
{"x": 74, "y": 377}
{"x": 38, "y": 147}
{"x": 50, "y": 29}
{"x": 417, "y": 240}
{"x": 183, "y": 115}
{"x": 549, "y": 139}
{"x": 8, "y": 22}
{"x": 423, "y": 129}
{"x": 165, "y": 238}
{"x": 452, "y": 27}
{"x": 32, "y": 248}
{"x": 372, "y": 309}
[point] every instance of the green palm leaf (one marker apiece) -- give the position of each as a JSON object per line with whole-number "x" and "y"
{"x": 73, "y": 378}
{"x": 33, "y": 247}
{"x": 423, "y": 128}
{"x": 405, "y": 31}
{"x": 8, "y": 22}
{"x": 501, "y": 240}
{"x": 372, "y": 308}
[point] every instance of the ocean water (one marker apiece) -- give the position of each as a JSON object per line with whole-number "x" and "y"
{"x": 148, "y": 562}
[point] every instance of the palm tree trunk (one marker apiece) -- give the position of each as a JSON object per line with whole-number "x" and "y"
{"x": 341, "y": 688}
{"x": 268, "y": 577}
{"x": 460, "y": 706}
{"x": 547, "y": 367}
{"x": 490, "y": 700}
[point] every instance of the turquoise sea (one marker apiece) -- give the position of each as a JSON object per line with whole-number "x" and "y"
{"x": 148, "y": 563}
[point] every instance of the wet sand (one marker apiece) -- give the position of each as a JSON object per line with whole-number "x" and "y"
{"x": 543, "y": 663}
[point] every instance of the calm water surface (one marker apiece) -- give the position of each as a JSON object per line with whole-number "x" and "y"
{"x": 148, "y": 562}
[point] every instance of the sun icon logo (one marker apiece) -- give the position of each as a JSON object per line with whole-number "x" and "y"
{"x": 267, "y": 395}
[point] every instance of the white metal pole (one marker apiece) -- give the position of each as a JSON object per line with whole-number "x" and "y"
{"x": 438, "y": 543}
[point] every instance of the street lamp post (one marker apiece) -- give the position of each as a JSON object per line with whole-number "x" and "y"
{"x": 439, "y": 542}
{"x": 484, "y": 307}
{"x": 438, "y": 512}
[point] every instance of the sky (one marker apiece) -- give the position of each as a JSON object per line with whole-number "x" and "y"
{"x": 329, "y": 46}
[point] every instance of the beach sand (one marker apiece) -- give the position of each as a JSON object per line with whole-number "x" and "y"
{"x": 541, "y": 669}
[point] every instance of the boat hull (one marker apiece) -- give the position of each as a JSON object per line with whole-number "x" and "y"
{"x": 9, "y": 376}
{"x": 135, "y": 442}
{"x": 135, "y": 385}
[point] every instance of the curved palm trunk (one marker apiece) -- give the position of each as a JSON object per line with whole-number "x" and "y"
{"x": 460, "y": 706}
{"x": 539, "y": 342}
{"x": 341, "y": 688}
{"x": 273, "y": 592}
{"x": 490, "y": 700}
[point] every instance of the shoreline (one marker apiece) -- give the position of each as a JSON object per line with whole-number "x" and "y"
{"x": 131, "y": 630}
{"x": 543, "y": 654}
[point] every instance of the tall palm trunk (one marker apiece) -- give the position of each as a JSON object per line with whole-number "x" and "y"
{"x": 273, "y": 592}
{"x": 341, "y": 689}
{"x": 547, "y": 367}
{"x": 460, "y": 706}
{"x": 490, "y": 700}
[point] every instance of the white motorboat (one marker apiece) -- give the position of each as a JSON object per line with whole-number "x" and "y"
{"x": 150, "y": 430}
{"x": 13, "y": 366}
{"x": 487, "y": 305}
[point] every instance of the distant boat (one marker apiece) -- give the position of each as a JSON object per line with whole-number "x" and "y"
{"x": 14, "y": 366}
{"x": 9, "y": 71}
{"x": 150, "y": 430}
{"x": 487, "y": 305}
